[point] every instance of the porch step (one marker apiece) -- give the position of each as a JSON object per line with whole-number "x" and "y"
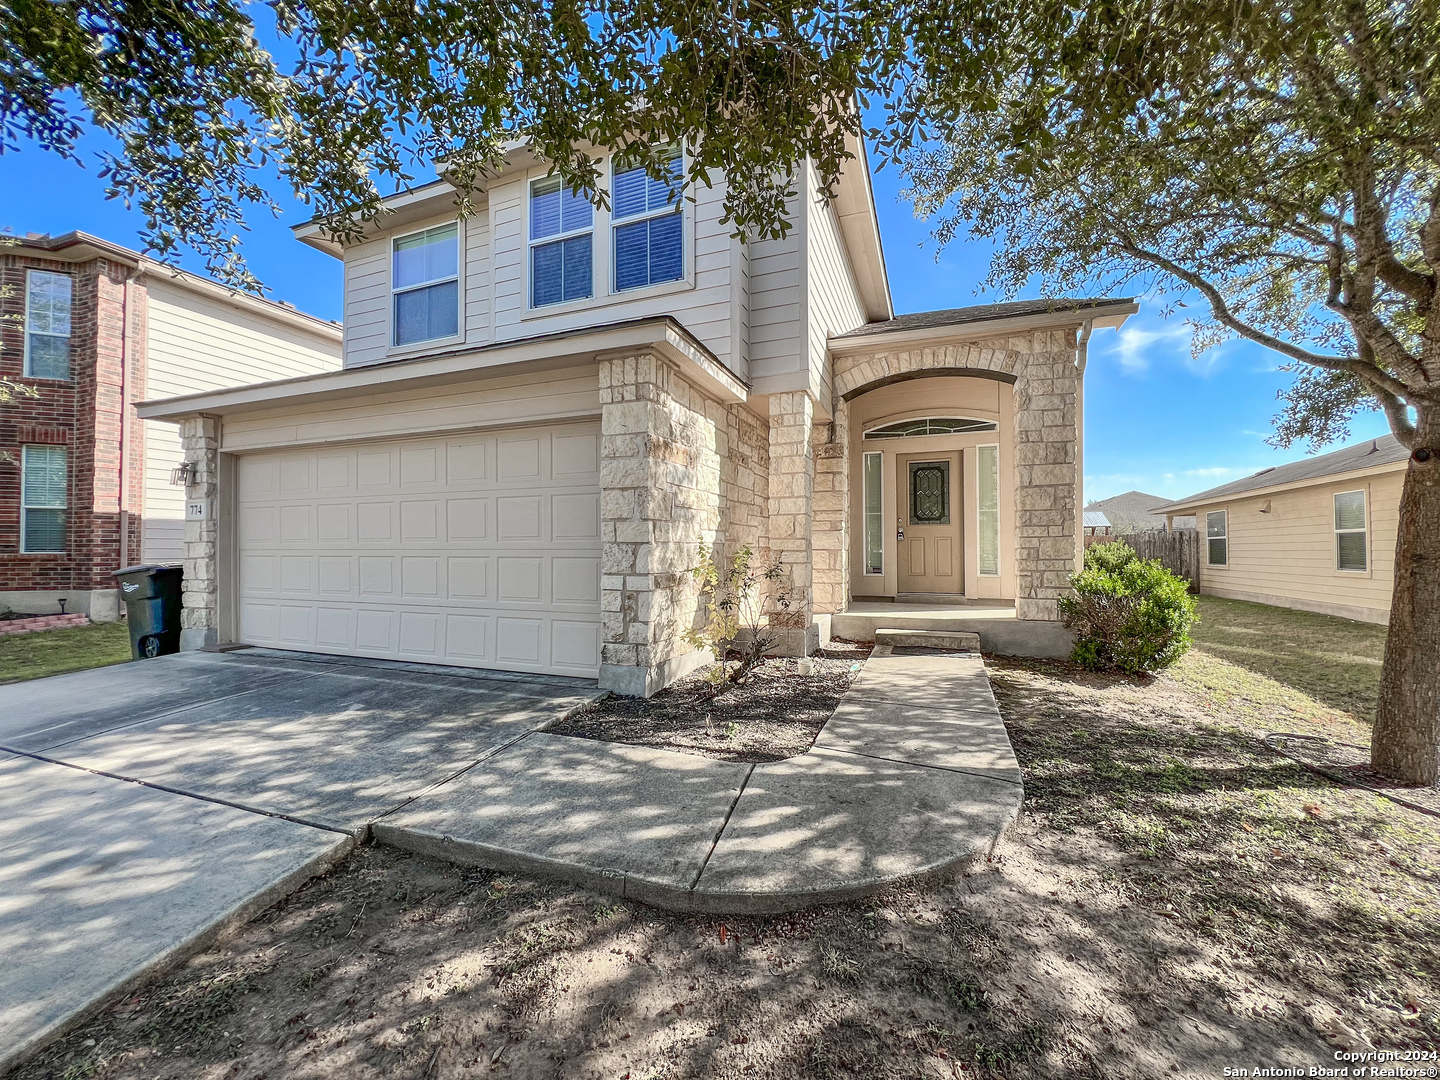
{"x": 956, "y": 640}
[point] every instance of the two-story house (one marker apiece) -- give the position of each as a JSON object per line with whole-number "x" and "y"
{"x": 546, "y": 407}
{"x": 90, "y": 328}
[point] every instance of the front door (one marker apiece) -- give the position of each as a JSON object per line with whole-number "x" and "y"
{"x": 928, "y": 535}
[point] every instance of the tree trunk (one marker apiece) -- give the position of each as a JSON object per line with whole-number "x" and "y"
{"x": 1406, "y": 740}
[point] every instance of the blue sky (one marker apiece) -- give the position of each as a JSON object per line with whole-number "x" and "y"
{"x": 1155, "y": 420}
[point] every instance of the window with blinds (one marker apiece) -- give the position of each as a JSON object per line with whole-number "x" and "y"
{"x": 648, "y": 225}
{"x": 562, "y": 224}
{"x": 987, "y": 468}
{"x": 1351, "y": 545}
{"x": 426, "y": 285}
{"x": 43, "y": 499}
{"x": 47, "y": 324}
{"x": 1217, "y": 538}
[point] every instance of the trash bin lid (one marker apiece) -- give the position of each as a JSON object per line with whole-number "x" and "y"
{"x": 142, "y": 568}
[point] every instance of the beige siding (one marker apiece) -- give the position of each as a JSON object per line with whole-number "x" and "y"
{"x": 834, "y": 304}
{"x": 777, "y": 304}
{"x": 570, "y": 392}
{"x": 478, "y": 285}
{"x": 367, "y": 302}
{"x": 1287, "y": 556}
{"x": 195, "y": 343}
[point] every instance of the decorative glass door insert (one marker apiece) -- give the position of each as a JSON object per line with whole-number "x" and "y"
{"x": 930, "y": 493}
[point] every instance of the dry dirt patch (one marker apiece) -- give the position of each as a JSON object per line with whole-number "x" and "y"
{"x": 774, "y": 714}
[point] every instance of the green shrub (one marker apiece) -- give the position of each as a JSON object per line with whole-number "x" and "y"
{"x": 1129, "y": 614}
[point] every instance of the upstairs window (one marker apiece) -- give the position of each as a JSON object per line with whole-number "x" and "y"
{"x": 47, "y": 324}
{"x": 43, "y": 499}
{"x": 426, "y": 284}
{"x": 1217, "y": 538}
{"x": 562, "y": 223}
{"x": 1351, "y": 546}
{"x": 649, "y": 226}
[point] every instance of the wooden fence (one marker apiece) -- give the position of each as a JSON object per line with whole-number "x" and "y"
{"x": 1178, "y": 551}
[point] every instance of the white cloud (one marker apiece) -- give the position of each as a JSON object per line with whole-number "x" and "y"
{"x": 1135, "y": 346}
{"x": 1216, "y": 470}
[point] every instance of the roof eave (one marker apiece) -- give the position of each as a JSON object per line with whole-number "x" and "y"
{"x": 661, "y": 334}
{"x": 1102, "y": 315}
{"x": 1192, "y": 503}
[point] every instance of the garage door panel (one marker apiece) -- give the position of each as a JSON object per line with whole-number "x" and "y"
{"x": 478, "y": 550}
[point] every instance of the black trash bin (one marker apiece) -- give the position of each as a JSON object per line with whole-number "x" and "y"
{"x": 152, "y": 608}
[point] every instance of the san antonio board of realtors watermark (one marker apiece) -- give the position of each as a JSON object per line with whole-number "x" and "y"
{"x": 1408, "y": 1064}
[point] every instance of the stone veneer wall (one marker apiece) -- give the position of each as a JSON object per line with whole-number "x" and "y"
{"x": 678, "y": 469}
{"x": 791, "y": 511}
{"x": 199, "y": 615}
{"x": 832, "y": 513}
{"x": 1043, "y": 364}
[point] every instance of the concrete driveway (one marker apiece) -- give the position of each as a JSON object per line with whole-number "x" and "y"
{"x": 146, "y": 806}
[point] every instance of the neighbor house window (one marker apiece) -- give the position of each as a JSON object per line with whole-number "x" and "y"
{"x": 561, "y": 224}
{"x": 1217, "y": 538}
{"x": 47, "y": 324}
{"x": 987, "y": 462}
{"x": 1350, "y": 543}
{"x": 42, "y": 499}
{"x": 648, "y": 226}
{"x": 874, "y": 515}
{"x": 426, "y": 284}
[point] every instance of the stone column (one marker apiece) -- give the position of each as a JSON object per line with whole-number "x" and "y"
{"x": 659, "y": 500}
{"x": 831, "y": 543}
{"x": 1046, "y": 476}
{"x": 199, "y": 621}
{"x": 792, "y": 495}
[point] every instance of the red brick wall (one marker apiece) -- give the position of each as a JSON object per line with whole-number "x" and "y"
{"x": 83, "y": 414}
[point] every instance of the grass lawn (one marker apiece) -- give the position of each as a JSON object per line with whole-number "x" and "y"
{"x": 54, "y": 652}
{"x": 1175, "y": 899}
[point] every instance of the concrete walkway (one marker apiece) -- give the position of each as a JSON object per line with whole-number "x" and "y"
{"x": 146, "y": 807}
{"x": 913, "y": 775}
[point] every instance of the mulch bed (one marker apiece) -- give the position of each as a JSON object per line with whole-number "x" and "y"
{"x": 775, "y": 714}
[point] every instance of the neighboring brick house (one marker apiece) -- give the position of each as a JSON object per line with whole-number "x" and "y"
{"x": 547, "y": 407}
{"x": 94, "y": 328}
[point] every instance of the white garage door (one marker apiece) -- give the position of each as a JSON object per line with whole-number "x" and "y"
{"x": 480, "y": 550}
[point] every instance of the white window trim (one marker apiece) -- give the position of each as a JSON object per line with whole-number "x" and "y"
{"x": 25, "y": 507}
{"x": 999, "y": 523}
{"x": 419, "y": 347}
{"x": 554, "y": 238}
{"x": 868, "y": 432}
{"x": 1364, "y": 530}
{"x": 614, "y": 224}
{"x": 600, "y": 259}
{"x": 864, "y": 514}
{"x": 26, "y": 331}
{"x": 1207, "y": 538}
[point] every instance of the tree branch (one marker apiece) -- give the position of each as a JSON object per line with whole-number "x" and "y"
{"x": 1371, "y": 374}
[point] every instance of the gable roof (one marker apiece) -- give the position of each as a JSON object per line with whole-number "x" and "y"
{"x": 1385, "y": 450}
{"x": 1094, "y": 519}
{"x": 1131, "y": 511}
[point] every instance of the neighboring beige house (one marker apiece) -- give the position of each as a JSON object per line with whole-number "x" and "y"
{"x": 92, "y": 327}
{"x": 1317, "y": 534}
{"x": 546, "y": 407}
